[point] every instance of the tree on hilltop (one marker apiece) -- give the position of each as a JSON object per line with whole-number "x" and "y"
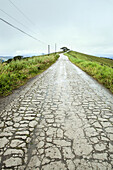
{"x": 64, "y": 49}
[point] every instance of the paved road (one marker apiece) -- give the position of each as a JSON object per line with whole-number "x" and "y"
{"x": 63, "y": 120}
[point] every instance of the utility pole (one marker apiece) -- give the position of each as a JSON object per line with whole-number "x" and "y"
{"x": 55, "y": 47}
{"x": 48, "y": 49}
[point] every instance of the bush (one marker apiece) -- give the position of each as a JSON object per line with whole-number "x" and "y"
{"x": 17, "y": 57}
{"x": 9, "y": 60}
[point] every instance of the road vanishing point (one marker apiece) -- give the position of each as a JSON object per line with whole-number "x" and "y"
{"x": 61, "y": 120}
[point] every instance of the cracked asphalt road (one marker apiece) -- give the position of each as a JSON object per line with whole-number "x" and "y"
{"x": 63, "y": 120}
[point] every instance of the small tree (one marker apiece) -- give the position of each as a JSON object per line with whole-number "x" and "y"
{"x": 18, "y": 57}
{"x": 65, "y": 49}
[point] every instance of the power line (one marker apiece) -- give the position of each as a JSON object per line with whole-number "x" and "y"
{"x": 20, "y": 30}
{"x": 13, "y": 18}
{"x": 16, "y": 20}
{"x": 25, "y": 16}
{"x": 21, "y": 12}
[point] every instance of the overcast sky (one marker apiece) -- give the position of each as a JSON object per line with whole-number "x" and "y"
{"x": 81, "y": 25}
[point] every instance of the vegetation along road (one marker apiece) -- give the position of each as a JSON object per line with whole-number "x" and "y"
{"x": 63, "y": 120}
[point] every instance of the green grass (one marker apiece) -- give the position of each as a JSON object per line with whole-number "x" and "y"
{"x": 16, "y": 73}
{"x": 100, "y": 68}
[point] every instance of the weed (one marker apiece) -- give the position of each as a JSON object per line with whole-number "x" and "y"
{"x": 100, "y": 68}
{"x": 15, "y": 73}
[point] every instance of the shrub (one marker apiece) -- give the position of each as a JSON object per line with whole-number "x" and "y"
{"x": 17, "y": 57}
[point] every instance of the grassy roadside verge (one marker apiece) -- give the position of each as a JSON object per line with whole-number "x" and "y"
{"x": 99, "y": 68}
{"x": 16, "y": 73}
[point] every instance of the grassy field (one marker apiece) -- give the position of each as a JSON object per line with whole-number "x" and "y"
{"x": 100, "y": 68}
{"x": 16, "y": 73}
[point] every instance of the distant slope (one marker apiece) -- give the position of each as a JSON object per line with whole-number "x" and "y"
{"x": 110, "y": 56}
{"x": 100, "y": 60}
